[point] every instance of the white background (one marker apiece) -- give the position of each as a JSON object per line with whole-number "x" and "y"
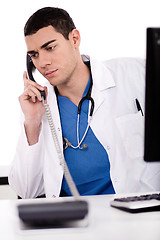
{"x": 109, "y": 29}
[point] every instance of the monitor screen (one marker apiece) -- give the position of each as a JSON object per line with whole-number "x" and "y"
{"x": 152, "y": 96}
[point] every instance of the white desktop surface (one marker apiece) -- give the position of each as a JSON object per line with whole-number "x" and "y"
{"x": 104, "y": 222}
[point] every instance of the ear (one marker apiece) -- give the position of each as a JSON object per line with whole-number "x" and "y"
{"x": 75, "y": 37}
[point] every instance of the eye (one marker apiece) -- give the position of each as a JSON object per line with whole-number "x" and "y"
{"x": 34, "y": 56}
{"x": 50, "y": 48}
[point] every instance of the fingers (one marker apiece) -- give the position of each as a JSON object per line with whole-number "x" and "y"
{"x": 31, "y": 89}
{"x": 27, "y": 82}
{"x": 32, "y": 93}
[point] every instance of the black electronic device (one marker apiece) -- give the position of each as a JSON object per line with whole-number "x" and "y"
{"x": 30, "y": 70}
{"x": 52, "y": 213}
{"x": 152, "y": 96}
{"x": 136, "y": 204}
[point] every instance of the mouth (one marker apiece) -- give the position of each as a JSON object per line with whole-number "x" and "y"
{"x": 51, "y": 73}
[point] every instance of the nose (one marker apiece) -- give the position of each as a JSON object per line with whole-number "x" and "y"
{"x": 44, "y": 60}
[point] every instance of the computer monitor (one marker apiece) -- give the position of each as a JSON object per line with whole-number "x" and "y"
{"x": 152, "y": 97}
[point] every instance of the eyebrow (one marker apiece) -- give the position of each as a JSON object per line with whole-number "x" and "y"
{"x": 47, "y": 43}
{"x": 43, "y": 46}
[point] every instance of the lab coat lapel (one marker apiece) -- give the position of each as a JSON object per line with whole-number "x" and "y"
{"x": 102, "y": 80}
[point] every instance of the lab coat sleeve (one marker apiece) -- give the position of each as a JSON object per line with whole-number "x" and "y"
{"x": 26, "y": 175}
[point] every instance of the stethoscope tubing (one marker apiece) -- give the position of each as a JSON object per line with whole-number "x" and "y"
{"x": 87, "y": 97}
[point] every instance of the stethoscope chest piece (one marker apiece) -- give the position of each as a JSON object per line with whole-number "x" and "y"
{"x": 67, "y": 144}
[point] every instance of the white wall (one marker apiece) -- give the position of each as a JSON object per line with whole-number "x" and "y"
{"x": 109, "y": 28}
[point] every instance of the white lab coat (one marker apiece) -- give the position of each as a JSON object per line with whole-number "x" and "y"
{"x": 117, "y": 124}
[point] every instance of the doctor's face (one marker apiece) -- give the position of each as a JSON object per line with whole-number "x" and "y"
{"x": 54, "y": 56}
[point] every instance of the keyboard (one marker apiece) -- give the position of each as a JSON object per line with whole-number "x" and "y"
{"x": 136, "y": 204}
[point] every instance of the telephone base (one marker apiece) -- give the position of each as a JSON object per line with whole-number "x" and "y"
{"x": 52, "y": 214}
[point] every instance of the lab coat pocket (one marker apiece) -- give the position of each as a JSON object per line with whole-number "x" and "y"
{"x": 131, "y": 128}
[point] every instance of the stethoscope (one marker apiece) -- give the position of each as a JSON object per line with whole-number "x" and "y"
{"x": 66, "y": 143}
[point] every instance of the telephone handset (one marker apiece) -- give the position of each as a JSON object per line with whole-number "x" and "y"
{"x": 71, "y": 184}
{"x": 30, "y": 69}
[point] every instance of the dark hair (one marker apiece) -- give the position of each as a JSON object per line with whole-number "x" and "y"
{"x": 56, "y": 17}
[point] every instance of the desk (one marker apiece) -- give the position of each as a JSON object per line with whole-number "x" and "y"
{"x": 104, "y": 222}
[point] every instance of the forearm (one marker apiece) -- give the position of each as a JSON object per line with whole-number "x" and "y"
{"x": 32, "y": 130}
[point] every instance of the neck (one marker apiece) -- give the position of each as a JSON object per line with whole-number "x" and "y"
{"x": 75, "y": 87}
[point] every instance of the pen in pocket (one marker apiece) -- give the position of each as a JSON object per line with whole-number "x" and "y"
{"x": 139, "y": 106}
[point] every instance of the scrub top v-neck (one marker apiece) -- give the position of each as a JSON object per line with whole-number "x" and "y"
{"x": 90, "y": 167}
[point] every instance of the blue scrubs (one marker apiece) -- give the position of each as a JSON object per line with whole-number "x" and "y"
{"x": 90, "y": 167}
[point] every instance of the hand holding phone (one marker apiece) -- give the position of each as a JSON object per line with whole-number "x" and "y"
{"x": 33, "y": 90}
{"x": 32, "y": 108}
{"x": 31, "y": 104}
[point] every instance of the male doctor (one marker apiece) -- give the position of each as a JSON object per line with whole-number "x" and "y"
{"x": 105, "y": 154}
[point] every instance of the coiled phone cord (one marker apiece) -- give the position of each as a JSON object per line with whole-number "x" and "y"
{"x": 67, "y": 174}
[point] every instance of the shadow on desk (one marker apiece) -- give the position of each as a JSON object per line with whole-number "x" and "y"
{"x": 41, "y": 196}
